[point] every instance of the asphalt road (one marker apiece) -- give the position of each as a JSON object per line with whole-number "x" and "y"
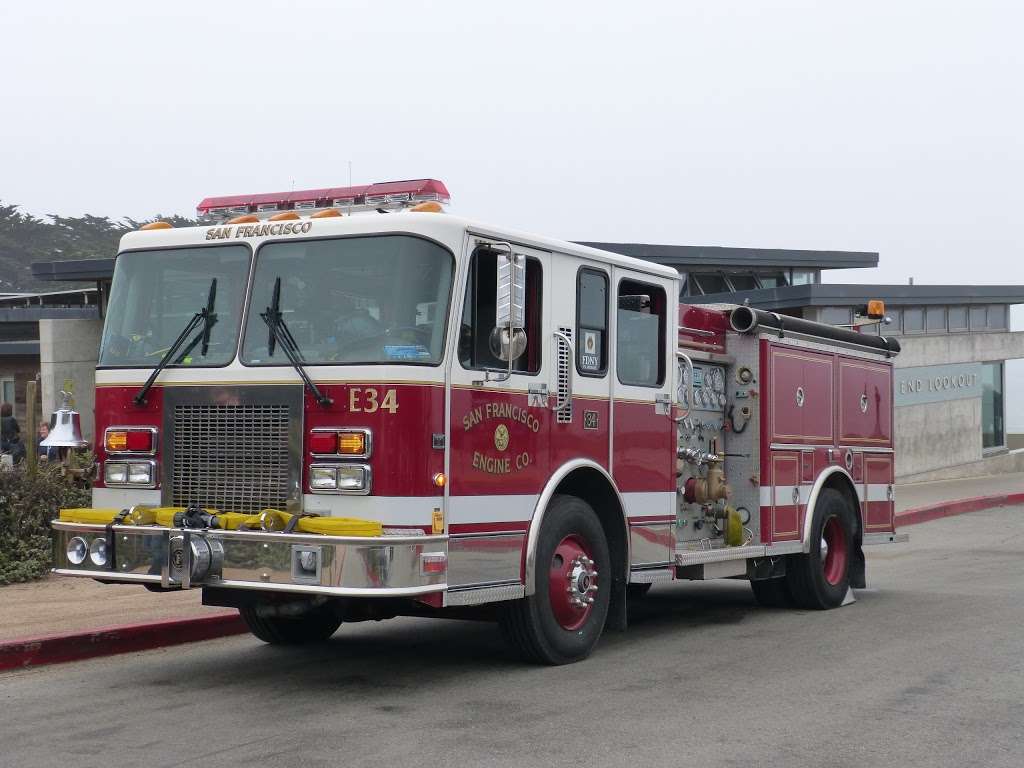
{"x": 926, "y": 669}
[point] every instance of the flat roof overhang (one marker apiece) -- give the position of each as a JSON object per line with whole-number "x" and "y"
{"x": 720, "y": 257}
{"x": 838, "y": 295}
{"x": 87, "y": 270}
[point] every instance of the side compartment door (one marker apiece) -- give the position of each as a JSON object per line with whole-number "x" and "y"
{"x": 499, "y": 431}
{"x": 643, "y": 432}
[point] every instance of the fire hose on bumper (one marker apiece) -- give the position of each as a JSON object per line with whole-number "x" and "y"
{"x": 272, "y": 551}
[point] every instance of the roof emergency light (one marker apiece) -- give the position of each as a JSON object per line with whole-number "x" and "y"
{"x": 388, "y": 195}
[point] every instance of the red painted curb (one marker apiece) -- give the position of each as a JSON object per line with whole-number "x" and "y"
{"x": 54, "y": 649}
{"x": 958, "y": 507}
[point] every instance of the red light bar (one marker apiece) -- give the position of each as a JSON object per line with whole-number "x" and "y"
{"x": 413, "y": 191}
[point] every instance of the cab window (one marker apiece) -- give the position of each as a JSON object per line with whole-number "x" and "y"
{"x": 591, "y": 322}
{"x": 478, "y": 342}
{"x": 640, "y": 335}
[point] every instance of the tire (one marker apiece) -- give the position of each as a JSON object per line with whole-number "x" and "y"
{"x": 820, "y": 579}
{"x": 312, "y": 626}
{"x": 772, "y": 593}
{"x": 548, "y": 627}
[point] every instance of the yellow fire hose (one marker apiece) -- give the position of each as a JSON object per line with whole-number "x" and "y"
{"x": 267, "y": 520}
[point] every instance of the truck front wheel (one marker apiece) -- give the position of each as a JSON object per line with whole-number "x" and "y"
{"x": 563, "y": 620}
{"x": 313, "y": 625}
{"x": 820, "y": 578}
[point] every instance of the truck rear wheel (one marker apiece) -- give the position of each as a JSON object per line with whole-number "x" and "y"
{"x": 312, "y": 626}
{"x": 820, "y": 579}
{"x": 563, "y": 620}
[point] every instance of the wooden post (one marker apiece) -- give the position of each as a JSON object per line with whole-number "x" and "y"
{"x": 31, "y": 427}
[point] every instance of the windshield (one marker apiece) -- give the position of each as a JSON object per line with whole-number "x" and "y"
{"x": 155, "y": 294}
{"x": 381, "y": 299}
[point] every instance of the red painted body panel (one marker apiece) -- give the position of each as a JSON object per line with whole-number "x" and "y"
{"x": 786, "y": 517}
{"x": 645, "y": 448}
{"x": 878, "y": 515}
{"x": 486, "y": 461}
{"x": 403, "y": 461}
{"x": 572, "y": 441}
{"x": 114, "y": 408}
{"x": 704, "y": 321}
{"x": 791, "y": 370}
{"x": 869, "y": 383}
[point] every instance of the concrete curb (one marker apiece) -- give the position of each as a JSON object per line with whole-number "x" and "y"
{"x": 958, "y": 507}
{"x": 54, "y": 649}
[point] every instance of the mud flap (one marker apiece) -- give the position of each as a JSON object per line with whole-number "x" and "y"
{"x": 617, "y": 618}
{"x": 857, "y": 576}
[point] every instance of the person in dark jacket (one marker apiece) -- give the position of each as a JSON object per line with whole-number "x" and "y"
{"x": 10, "y": 433}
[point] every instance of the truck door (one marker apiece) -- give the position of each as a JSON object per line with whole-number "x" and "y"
{"x": 580, "y": 343}
{"x": 499, "y": 418}
{"x": 643, "y": 433}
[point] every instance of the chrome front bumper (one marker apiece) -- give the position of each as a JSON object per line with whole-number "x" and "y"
{"x": 345, "y": 566}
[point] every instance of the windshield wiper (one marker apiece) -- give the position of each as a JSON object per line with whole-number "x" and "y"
{"x": 278, "y": 332}
{"x": 208, "y": 318}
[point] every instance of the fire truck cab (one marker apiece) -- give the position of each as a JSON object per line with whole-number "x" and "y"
{"x": 347, "y": 404}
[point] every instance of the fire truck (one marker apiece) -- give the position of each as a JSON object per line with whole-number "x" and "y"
{"x": 347, "y": 404}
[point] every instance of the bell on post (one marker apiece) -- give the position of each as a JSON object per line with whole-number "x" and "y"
{"x": 65, "y": 427}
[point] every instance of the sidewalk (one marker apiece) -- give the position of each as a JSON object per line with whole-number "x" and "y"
{"x": 924, "y": 494}
{"x": 62, "y": 605}
{"x": 59, "y": 605}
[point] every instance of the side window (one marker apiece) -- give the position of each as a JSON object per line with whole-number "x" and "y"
{"x": 592, "y": 322}
{"x": 640, "y": 336}
{"x": 478, "y": 341}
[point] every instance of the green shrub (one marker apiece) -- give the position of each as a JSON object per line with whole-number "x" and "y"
{"x": 27, "y": 505}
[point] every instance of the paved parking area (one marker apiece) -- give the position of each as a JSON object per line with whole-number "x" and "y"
{"x": 926, "y": 669}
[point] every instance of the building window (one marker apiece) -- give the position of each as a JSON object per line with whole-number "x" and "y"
{"x": 895, "y": 327}
{"x": 773, "y": 280}
{"x": 979, "y": 317}
{"x": 935, "y": 319}
{"x": 803, "y": 277}
{"x": 478, "y": 341}
{"x": 997, "y": 317}
{"x": 710, "y": 283}
{"x": 640, "y": 335}
{"x": 835, "y": 315}
{"x": 957, "y": 319}
{"x": 992, "y": 406}
{"x": 592, "y": 322}
{"x": 7, "y": 385}
{"x": 743, "y": 282}
{"x": 913, "y": 320}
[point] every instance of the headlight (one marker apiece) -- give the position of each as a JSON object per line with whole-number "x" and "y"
{"x": 98, "y": 552}
{"x": 140, "y": 473}
{"x": 77, "y": 550}
{"x": 115, "y": 473}
{"x": 352, "y": 478}
{"x": 340, "y": 478}
{"x": 323, "y": 478}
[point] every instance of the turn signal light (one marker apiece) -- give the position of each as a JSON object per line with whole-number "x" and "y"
{"x": 352, "y": 443}
{"x": 156, "y": 225}
{"x": 128, "y": 441}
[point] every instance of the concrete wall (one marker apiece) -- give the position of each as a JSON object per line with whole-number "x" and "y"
{"x": 944, "y": 438}
{"x": 68, "y": 350}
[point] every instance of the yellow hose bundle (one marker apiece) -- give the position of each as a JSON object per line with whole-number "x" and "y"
{"x": 267, "y": 520}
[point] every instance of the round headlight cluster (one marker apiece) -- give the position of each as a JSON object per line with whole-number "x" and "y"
{"x": 98, "y": 552}
{"x": 77, "y": 550}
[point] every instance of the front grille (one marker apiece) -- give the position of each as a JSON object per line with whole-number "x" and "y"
{"x": 233, "y": 458}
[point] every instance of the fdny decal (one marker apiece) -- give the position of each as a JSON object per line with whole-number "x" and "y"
{"x": 259, "y": 230}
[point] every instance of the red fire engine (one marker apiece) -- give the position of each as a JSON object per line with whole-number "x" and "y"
{"x": 345, "y": 404}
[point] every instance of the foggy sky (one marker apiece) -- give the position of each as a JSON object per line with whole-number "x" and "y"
{"x": 893, "y": 126}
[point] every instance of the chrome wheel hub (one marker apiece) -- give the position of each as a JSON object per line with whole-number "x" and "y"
{"x": 582, "y": 578}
